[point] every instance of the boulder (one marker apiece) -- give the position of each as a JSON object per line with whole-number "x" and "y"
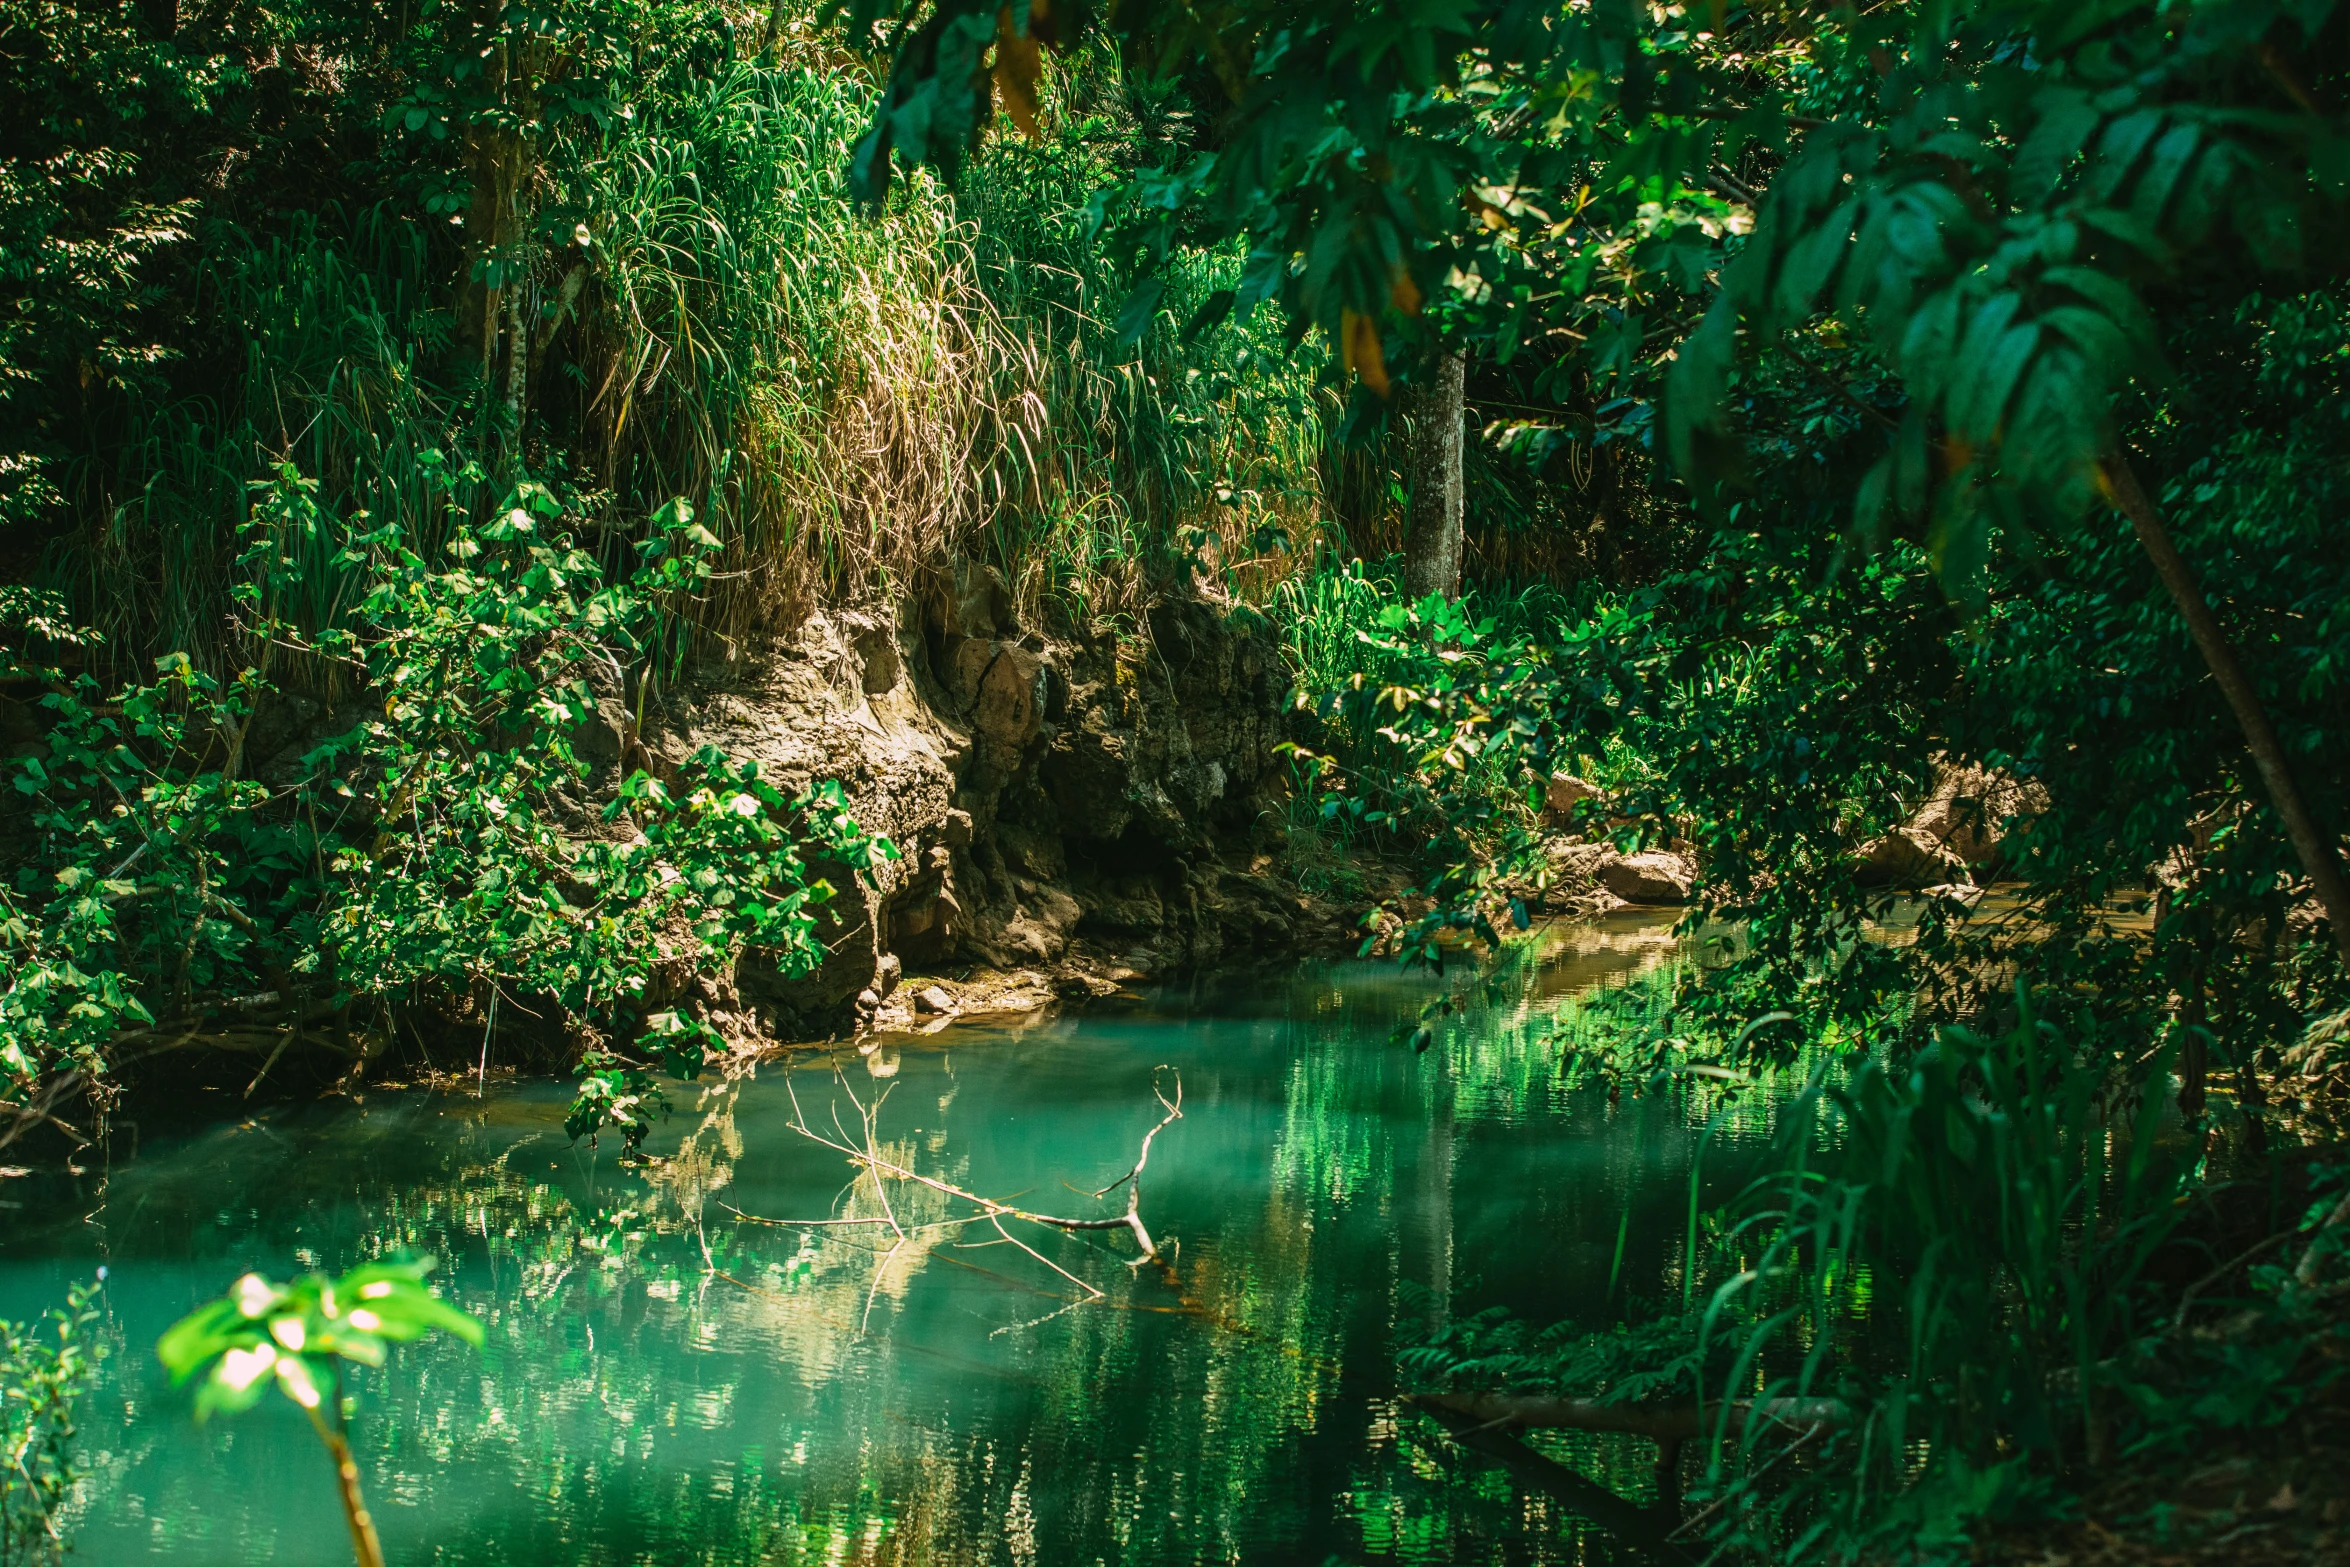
{"x": 1657, "y": 877}
{"x": 1908, "y": 858}
{"x": 932, "y": 999}
{"x": 1972, "y": 810}
{"x": 1567, "y": 791}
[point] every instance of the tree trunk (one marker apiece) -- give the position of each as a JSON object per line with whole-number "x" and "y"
{"x": 2320, "y": 859}
{"x": 1432, "y": 543}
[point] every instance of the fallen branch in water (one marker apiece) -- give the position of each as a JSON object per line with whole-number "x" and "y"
{"x": 1627, "y": 1521}
{"x": 1483, "y": 1423}
{"x": 1670, "y": 1423}
{"x": 866, "y": 1155}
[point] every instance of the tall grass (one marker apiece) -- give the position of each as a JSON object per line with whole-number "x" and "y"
{"x": 1954, "y": 1247}
{"x": 332, "y": 344}
{"x": 846, "y": 398}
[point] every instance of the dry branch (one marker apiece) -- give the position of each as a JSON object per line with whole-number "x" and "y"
{"x": 866, "y": 1154}
{"x": 40, "y": 1109}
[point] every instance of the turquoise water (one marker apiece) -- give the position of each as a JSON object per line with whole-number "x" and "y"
{"x": 666, "y": 1383}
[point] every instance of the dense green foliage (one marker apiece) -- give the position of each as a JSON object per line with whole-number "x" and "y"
{"x": 1864, "y": 401}
{"x": 389, "y": 428}
{"x": 420, "y": 849}
{"x": 1882, "y": 292}
{"x": 45, "y": 1370}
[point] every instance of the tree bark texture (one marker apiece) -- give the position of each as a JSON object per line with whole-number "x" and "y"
{"x": 1432, "y": 542}
{"x": 2321, "y": 859}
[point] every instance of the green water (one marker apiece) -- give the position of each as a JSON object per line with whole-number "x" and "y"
{"x": 666, "y": 1384}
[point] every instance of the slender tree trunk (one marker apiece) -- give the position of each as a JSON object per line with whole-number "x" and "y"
{"x": 1432, "y": 544}
{"x": 490, "y": 165}
{"x": 366, "y": 1548}
{"x": 2320, "y": 859}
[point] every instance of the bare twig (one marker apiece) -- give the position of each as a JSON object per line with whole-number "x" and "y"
{"x": 291, "y": 1036}
{"x": 1132, "y": 1179}
{"x": 2187, "y": 1296}
{"x": 997, "y": 1220}
{"x": 880, "y": 1272}
{"x": 41, "y": 1110}
{"x": 817, "y": 1224}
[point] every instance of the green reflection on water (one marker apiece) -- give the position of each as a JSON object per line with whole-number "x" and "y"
{"x": 667, "y": 1385}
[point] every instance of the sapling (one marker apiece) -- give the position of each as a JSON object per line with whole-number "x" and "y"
{"x": 297, "y": 1335}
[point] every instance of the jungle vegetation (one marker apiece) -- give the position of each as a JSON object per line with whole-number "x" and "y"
{"x": 1763, "y": 412}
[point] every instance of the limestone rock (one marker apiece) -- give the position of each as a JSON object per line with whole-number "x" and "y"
{"x": 1658, "y": 876}
{"x": 931, "y": 999}
{"x": 1042, "y": 792}
{"x": 1009, "y": 711}
{"x": 981, "y": 605}
{"x": 880, "y": 663}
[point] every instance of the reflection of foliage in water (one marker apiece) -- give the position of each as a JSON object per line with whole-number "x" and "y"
{"x": 666, "y": 1382}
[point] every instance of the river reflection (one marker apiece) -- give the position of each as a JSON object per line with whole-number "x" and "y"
{"x": 668, "y": 1384}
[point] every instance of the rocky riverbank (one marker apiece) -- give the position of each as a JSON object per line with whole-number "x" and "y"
{"x": 1070, "y": 810}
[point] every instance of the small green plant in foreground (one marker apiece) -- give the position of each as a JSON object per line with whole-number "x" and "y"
{"x": 45, "y": 1367}
{"x": 297, "y": 1335}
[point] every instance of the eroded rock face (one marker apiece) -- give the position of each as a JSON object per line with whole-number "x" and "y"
{"x": 1041, "y": 791}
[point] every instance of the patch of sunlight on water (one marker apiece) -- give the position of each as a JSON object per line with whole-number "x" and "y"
{"x": 666, "y": 1384}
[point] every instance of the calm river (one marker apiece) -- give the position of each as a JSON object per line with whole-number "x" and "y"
{"x": 666, "y": 1384}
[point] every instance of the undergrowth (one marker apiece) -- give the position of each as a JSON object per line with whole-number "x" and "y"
{"x": 846, "y": 399}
